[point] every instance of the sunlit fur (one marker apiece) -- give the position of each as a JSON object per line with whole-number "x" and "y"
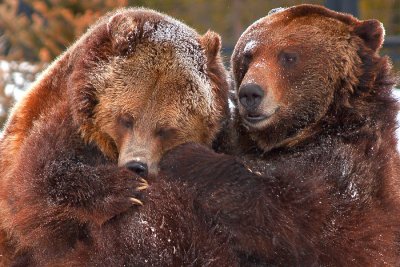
{"x": 59, "y": 175}
{"x": 316, "y": 184}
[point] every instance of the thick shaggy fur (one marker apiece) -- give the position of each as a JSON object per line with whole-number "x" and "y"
{"x": 315, "y": 183}
{"x": 135, "y": 85}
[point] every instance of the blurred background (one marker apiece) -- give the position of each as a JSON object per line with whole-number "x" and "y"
{"x": 34, "y": 32}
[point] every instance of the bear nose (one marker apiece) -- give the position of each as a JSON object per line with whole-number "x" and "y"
{"x": 138, "y": 167}
{"x": 250, "y": 95}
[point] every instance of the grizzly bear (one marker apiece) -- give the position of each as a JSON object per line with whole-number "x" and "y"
{"x": 315, "y": 177}
{"x": 75, "y": 149}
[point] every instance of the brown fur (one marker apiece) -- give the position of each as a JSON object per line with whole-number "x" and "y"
{"x": 315, "y": 183}
{"x": 135, "y": 85}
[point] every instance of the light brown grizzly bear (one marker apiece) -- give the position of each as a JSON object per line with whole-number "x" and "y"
{"x": 135, "y": 85}
{"x": 316, "y": 178}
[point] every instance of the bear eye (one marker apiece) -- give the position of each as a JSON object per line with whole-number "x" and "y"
{"x": 166, "y": 132}
{"x": 244, "y": 66}
{"x": 247, "y": 57}
{"x": 126, "y": 121}
{"x": 288, "y": 58}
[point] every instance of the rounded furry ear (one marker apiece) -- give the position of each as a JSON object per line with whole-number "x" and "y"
{"x": 211, "y": 42}
{"x": 122, "y": 30}
{"x": 372, "y": 32}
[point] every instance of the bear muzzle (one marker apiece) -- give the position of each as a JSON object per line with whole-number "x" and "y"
{"x": 250, "y": 96}
{"x": 140, "y": 168}
{"x": 255, "y": 106}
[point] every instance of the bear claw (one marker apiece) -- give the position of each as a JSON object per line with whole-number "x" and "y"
{"x": 143, "y": 181}
{"x": 136, "y": 201}
{"x": 142, "y": 186}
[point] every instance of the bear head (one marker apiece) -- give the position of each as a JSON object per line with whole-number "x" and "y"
{"x": 303, "y": 65}
{"x": 142, "y": 83}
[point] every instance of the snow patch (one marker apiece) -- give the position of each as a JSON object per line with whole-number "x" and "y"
{"x": 353, "y": 190}
{"x": 189, "y": 54}
{"x": 249, "y": 46}
{"x": 183, "y": 40}
{"x": 17, "y": 77}
{"x": 276, "y": 10}
{"x": 4, "y": 66}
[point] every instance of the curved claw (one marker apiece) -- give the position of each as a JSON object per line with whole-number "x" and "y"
{"x": 143, "y": 181}
{"x": 142, "y": 186}
{"x": 136, "y": 201}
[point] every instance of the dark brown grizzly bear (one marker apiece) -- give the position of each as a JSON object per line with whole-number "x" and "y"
{"x": 315, "y": 181}
{"x": 135, "y": 85}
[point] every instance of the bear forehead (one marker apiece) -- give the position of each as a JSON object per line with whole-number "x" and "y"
{"x": 183, "y": 41}
{"x": 307, "y": 10}
{"x": 188, "y": 64}
{"x": 159, "y": 30}
{"x": 166, "y": 53}
{"x": 281, "y": 31}
{"x": 280, "y": 27}
{"x": 152, "y": 82}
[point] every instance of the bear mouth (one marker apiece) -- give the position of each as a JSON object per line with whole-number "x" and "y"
{"x": 254, "y": 118}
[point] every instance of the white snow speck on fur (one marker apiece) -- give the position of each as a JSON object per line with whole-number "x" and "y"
{"x": 353, "y": 190}
{"x": 249, "y": 46}
{"x": 276, "y": 10}
{"x": 189, "y": 53}
{"x": 251, "y": 33}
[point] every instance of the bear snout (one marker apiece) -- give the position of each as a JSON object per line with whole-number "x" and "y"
{"x": 140, "y": 168}
{"x": 250, "y": 96}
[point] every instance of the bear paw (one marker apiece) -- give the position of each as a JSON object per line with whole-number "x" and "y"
{"x": 143, "y": 185}
{"x": 123, "y": 191}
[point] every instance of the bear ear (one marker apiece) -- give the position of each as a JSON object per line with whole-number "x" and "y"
{"x": 211, "y": 42}
{"x": 122, "y": 30}
{"x": 372, "y": 32}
